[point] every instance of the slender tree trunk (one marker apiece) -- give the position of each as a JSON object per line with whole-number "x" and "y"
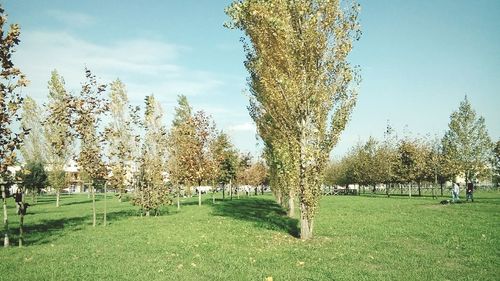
{"x": 237, "y": 192}
{"x": 199, "y": 195}
{"x": 21, "y": 219}
{"x": 279, "y": 198}
{"x": 94, "y": 221}
{"x": 5, "y": 219}
{"x": 291, "y": 204}
{"x": 262, "y": 190}
{"x": 105, "y": 202}
{"x": 120, "y": 194}
{"x": 223, "y": 191}
{"x": 213, "y": 192}
{"x": 441, "y": 184}
{"x": 179, "y": 198}
{"x": 419, "y": 190}
{"x": 409, "y": 190}
{"x": 231, "y": 189}
{"x": 58, "y": 198}
{"x": 387, "y": 187}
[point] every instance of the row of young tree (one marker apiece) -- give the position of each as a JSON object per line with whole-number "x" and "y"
{"x": 465, "y": 151}
{"x": 130, "y": 151}
{"x": 115, "y": 144}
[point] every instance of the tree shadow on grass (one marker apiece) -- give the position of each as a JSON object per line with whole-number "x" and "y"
{"x": 78, "y": 202}
{"x": 264, "y": 213}
{"x": 47, "y": 231}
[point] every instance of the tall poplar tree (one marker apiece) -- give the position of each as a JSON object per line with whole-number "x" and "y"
{"x": 191, "y": 137}
{"x": 11, "y": 100}
{"x": 58, "y": 135}
{"x": 153, "y": 193}
{"x": 87, "y": 109}
{"x": 226, "y": 159}
{"x": 466, "y": 144}
{"x": 203, "y": 164}
{"x": 32, "y": 149}
{"x": 179, "y": 147}
{"x": 33, "y": 145}
{"x": 119, "y": 135}
{"x": 300, "y": 80}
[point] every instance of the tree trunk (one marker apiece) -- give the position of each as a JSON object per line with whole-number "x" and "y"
{"x": 58, "y": 198}
{"x": 306, "y": 216}
{"x": 147, "y": 213}
{"x": 306, "y": 223}
{"x": 409, "y": 190}
{"x": 223, "y": 191}
{"x": 178, "y": 198}
{"x": 21, "y": 220}
{"x": 262, "y": 190}
{"x": 291, "y": 205}
{"x": 94, "y": 222}
{"x": 419, "y": 190}
{"x": 231, "y": 189}
{"x": 387, "y": 187}
{"x": 279, "y": 198}
{"x": 105, "y": 202}
{"x": 120, "y": 194}
{"x": 199, "y": 195}
{"x": 5, "y": 219}
{"x": 441, "y": 189}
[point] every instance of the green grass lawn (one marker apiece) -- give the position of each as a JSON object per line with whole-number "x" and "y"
{"x": 356, "y": 238}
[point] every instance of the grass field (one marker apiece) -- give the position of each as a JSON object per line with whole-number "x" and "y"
{"x": 356, "y": 238}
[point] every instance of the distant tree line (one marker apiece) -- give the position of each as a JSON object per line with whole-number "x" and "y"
{"x": 465, "y": 151}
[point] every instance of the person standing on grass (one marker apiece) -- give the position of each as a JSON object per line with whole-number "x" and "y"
{"x": 469, "y": 191}
{"x": 18, "y": 197}
{"x": 454, "y": 191}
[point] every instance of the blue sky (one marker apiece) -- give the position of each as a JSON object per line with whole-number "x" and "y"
{"x": 418, "y": 59}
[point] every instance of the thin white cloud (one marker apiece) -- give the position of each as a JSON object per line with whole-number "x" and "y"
{"x": 243, "y": 127}
{"x": 74, "y": 19}
{"x": 146, "y": 66}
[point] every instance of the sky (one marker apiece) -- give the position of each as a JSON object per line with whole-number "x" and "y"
{"x": 418, "y": 60}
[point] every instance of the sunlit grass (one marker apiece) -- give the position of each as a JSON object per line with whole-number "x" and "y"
{"x": 356, "y": 238}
